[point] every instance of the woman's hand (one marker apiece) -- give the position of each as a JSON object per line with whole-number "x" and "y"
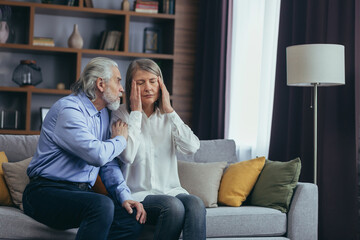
{"x": 135, "y": 97}
{"x": 165, "y": 105}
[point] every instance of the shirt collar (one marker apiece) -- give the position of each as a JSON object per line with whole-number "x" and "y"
{"x": 156, "y": 112}
{"x": 90, "y": 107}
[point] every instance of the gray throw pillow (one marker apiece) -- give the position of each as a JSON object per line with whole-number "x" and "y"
{"x": 275, "y": 185}
{"x": 16, "y": 179}
{"x": 202, "y": 180}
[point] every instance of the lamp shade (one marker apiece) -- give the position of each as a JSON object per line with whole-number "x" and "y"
{"x": 322, "y": 64}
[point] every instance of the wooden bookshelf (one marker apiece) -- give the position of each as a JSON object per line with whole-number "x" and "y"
{"x": 68, "y": 62}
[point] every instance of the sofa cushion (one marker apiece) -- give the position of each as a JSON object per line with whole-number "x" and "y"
{"x": 18, "y": 147}
{"x": 202, "y": 180}
{"x": 5, "y": 198}
{"x": 218, "y": 150}
{"x": 16, "y": 225}
{"x": 17, "y": 179}
{"x": 238, "y": 181}
{"x": 244, "y": 221}
{"x": 276, "y": 184}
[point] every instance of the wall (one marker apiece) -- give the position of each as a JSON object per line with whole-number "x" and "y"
{"x": 186, "y": 23}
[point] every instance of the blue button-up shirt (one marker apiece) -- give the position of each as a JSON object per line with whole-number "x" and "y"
{"x": 74, "y": 146}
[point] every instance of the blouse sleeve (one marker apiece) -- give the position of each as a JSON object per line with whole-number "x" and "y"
{"x": 185, "y": 140}
{"x": 134, "y": 133}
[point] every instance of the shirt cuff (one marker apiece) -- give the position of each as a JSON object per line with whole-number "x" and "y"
{"x": 125, "y": 195}
{"x": 120, "y": 143}
{"x": 120, "y": 139}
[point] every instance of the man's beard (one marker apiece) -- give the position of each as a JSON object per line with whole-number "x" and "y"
{"x": 111, "y": 100}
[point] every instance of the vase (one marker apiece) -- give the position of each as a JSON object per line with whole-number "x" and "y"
{"x": 75, "y": 40}
{"x": 125, "y": 6}
{"x": 4, "y": 31}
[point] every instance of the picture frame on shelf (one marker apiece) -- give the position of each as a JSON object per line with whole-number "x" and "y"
{"x": 152, "y": 40}
{"x": 43, "y": 112}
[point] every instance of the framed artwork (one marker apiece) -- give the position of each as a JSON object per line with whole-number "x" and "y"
{"x": 152, "y": 38}
{"x": 43, "y": 112}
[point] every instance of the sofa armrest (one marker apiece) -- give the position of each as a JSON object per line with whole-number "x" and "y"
{"x": 302, "y": 218}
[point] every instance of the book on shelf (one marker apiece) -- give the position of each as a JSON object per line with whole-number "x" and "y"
{"x": 110, "y": 40}
{"x": 167, "y": 6}
{"x": 43, "y": 41}
{"x": 147, "y": 6}
{"x": 71, "y": 3}
{"x": 88, "y": 3}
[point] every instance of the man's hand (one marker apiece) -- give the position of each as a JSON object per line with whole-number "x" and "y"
{"x": 135, "y": 97}
{"x": 165, "y": 105}
{"x": 119, "y": 128}
{"x": 140, "y": 211}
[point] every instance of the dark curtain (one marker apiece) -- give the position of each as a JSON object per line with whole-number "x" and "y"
{"x": 307, "y": 22}
{"x": 210, "y": 73}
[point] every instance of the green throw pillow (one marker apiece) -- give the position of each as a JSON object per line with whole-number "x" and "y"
{"x": 275, "y": 185}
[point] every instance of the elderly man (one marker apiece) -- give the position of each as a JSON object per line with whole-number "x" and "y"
{"x": 74, "y": 147}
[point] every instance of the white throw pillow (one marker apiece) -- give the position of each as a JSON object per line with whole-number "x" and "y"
{"x": 202, "y": 180}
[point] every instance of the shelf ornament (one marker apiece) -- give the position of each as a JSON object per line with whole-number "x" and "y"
{"x": 27, "y": 73}
{"x": 5, "y": 15}
{"x": 75, "y": 40}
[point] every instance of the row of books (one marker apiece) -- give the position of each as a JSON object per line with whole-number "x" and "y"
{"x": 88, "y": 3}
{"x": 147, "y": 6}
{"x": 110, "y": 40}
{"x": 43, "y": 41}
{"x": 162, "y": 6}
{"x": 143, "y": 6}
{"x": 72, "y": 3}
{"x": 167, "y": 6}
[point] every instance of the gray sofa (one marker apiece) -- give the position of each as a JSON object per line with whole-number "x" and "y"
{"x": 245, "y": 222}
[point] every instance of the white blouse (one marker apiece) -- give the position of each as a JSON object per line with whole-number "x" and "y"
{"x": 149, "y": 163}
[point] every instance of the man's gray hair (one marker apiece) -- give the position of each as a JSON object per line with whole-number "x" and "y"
{"x": 99, "y": 67}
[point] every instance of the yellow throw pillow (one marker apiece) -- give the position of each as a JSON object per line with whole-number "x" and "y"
{"x": 238, "y": 181}
{"x": 5, "y": 198}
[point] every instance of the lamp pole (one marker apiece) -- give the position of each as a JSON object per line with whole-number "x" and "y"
{"x": 315, "y": 131}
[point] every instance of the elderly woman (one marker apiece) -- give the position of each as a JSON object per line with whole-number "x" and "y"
{"x": 149, "y": 162}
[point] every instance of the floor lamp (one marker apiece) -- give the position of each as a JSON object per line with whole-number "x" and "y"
{"x": 315, "y": 65}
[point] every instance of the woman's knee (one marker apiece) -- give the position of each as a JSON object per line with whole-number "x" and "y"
{"x": 175, "y": 206}
{"x": 193, "y": 204}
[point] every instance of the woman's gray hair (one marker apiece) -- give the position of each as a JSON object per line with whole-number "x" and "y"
{"x": 139, "y": 64}
{"x": 99, "y": 67}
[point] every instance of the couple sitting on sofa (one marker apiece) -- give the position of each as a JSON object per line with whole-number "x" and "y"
{"x": 76, "y": 145}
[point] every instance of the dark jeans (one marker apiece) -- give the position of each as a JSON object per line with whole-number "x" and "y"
{"x": 62, "y": 205}
{"x": 173, "y": 214}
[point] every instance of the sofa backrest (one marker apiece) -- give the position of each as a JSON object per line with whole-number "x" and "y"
{"x": 217, "y": 150}
{"x": 18, "y": 147}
